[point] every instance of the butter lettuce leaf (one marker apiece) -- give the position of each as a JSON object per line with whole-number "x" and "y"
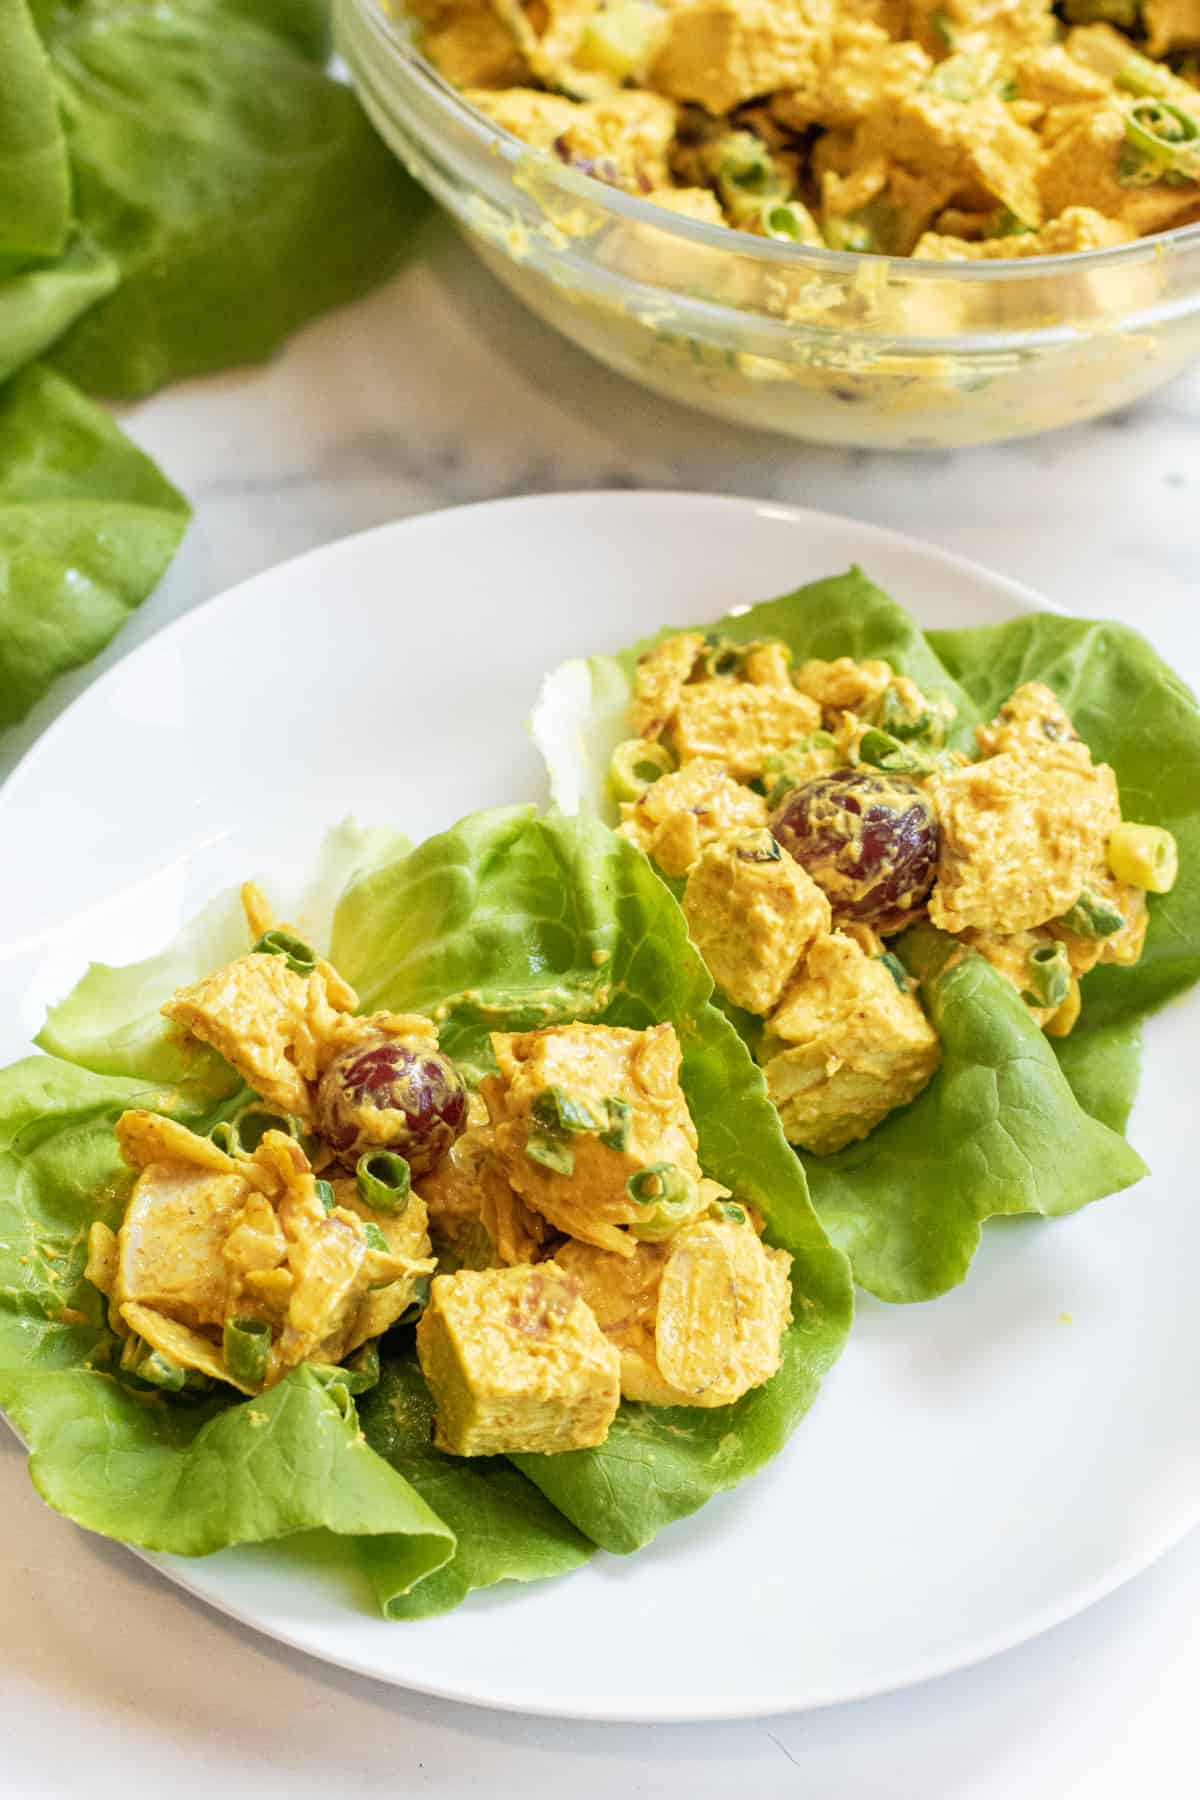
{"x": 35, "y": 181}
{"x": 510, "y": 921}
{"x": 192, "y": 1476}
{"x": 88, "y": 526}
{"x": 1008, "y": 1136}
{"x": 112, "y": 1022}
{"x": 505, "y": 1530}
{"x": 505, "y": 921}
{"x": 40, "y": 300}
{"x": 1012, "y": 1122}
{"x": 240, "y": 189}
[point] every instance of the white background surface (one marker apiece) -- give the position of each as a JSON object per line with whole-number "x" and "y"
{"x": 439, "y": 390}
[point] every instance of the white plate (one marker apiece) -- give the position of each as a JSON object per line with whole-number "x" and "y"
{"x": 974, "y": 1470}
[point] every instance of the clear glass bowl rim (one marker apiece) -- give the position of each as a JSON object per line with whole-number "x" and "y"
{"x": 493, "y": 140}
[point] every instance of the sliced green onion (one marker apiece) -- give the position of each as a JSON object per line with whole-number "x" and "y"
{"x": 1049, "y": 975}
{"x": 145, "y": 1363}
{"x": 898, "y": 717}
{"x": 1007, "y": 224}
{"x": 375, "y": 1238}
{"x": 1092, "y": 916}
{"x": 939, "y": 24}
{"x": 758, "y": 847}
{"x": 1162, "y": 143}
{"x": 559, "y": 1111}
{"x": 745, "y": 168}
{"x": 247, "y": 1344}
{"x": 224, "y": 1136}
{"x": 854, "y": 235}
{"x": 384, "y": 1181}
{"x": 301, "y": 959}
{"x": 325, "y": 1194}
{"x": 636, "y": 765}
{"x": 251, "y": 1123}
{"x": 618, "y": 1131}
{"x": 727, "y": 1209}
{"x": 785, "y": 769}
{"x": 722, "y": 658}
{"x": 551, "y": 1151}
{"x": 420, "y": 1299}
{"x": 360, "y": 1370}
{"x": 896, "y": 970}
{"x": 1145, "y": 856}
{"x": 1145, "y": 78}
{"x": 669, "y": 1195}
{"x": 883, "y": 751}
{"x": 787, "y": 221}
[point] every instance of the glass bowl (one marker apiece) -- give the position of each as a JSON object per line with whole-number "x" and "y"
{"x": 836, "y": 348}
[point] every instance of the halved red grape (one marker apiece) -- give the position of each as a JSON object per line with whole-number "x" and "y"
{"x": 870, "y": 841}
{"x": 389, "y": 1094}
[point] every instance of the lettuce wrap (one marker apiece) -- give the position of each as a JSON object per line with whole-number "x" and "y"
{"x": 505, "y": 922}
{"x": 1013, "y": 1122}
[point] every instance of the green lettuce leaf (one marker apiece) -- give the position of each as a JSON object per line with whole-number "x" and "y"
{"x": 116, "y": 1462}
{"x": 112, "y": 1021}
{"x": 505, "y": 921}
{"x": 39, "y": 301}
{"x": 1001, "y": 1114}
{"x": 239, "y": 188}
{"x": 504, "y": 1529}
{"x": 87, "y": 527}
{"x": 988, "y": 1134}
{"x": 35, "y": 182}
{"x": 509, "y": 921}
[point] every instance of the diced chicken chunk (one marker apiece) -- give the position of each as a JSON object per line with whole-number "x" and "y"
{"x": 208, "y": 1238}
{"x": 516, "y": 1362}
{"x": 740, "y": 724}
{"x": 473, "y": 48}
{"x": 753, "y": 913}
{"x": 721, "y": 53}
{"x": 982, "y": 153}
{"x": 171, "y": 1240}
{"x": 1053, "y": 77}
{"x": 844, "y": 686}
{"x": 581, "y": 1186}
{"x": 660, "y": 678}
{"x": 698, "y": 1321}
{"x": 267, "y": 1022}
{"x": 846, "y": 1046}
{"x": 624, "y": 138}
{"x": 681, "y": 813}
{"x": 1017, "y": 838}
{"x": 1033, "y": 722}
{"x": 854, "y": 67}
{"x": 476, "y": 1220}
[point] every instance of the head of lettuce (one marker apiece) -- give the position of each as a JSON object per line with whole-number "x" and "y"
{"x": 506, "y": 923}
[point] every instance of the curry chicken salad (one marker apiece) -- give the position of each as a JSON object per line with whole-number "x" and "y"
{"x": 554, "y": 1232}
{"x": 813, "y": 812}
{"x": 943, "y": 129}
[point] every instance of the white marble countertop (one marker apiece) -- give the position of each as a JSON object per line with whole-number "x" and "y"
{"x": 440, "y": 390}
